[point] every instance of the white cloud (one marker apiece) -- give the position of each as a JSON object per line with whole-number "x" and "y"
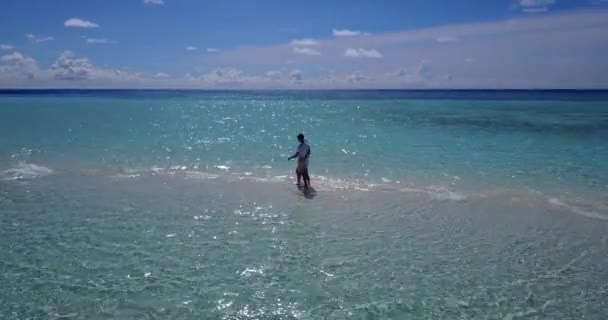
{"x": 100, "y": 41}
{"x": 6, "y": 47}
{"x": 224, "y": 77}
{"x": 535, "y": 6}
{"x": 535, "y": 10}
{"x": 345, "y": 33}
{"x": 355, "y": 77}
{"x": 154, "y": 2}
{"x": 79, "y": 23}
{"x": 306, "y": 51}
{"x": 536, "y": 3}
{"x": 161, "y": 75}
{"x": 213, "y": 50}
{"x": 191, "y": 48}
{"x": 561, "y": 50}
{"x": 567, "y": 52}
{"x": 16, "y": 68}
{"x": 67, "y": 67}
{"x": 282, "y": 76}
{"x": 38, "y": 39}
{"x": 13, "y": 57}
{"x": 304, "y": 42}
{"x": 274, "y": 75}
{"x": 231, "y": 78}
{"x": 70, "y": 70}
{"x": 501, "y": 50}
{"x": 296, "y": 76}
{"x": 67, "y": 71}
{"x": 446, "y": 39}
{"x": 401, "y": 72}
{"x": 362, "y": 53}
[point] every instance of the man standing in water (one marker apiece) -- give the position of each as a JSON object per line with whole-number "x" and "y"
{"x": 303, "y": 153}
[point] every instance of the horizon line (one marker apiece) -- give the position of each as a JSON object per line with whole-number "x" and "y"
{"x": 302, "y": 89}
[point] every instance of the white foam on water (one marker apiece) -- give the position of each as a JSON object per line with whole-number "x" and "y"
{"x": 576, "y": 210}
{"x": 450, "y": 195}
{"x": 443, "y": 193}
{"x": 25, "y": 171}
{"x": 248, "y": 272}
{"x": 437, "y": 193}
{"x": 319, "y": 182}
{"x": 328, "y": 184}
{"x": 556, "y": 202}
{"x": 130, "y": 173}
{"x": 324, "y": 183}
{"x": 125, "y": 176}
{"x": 200, "y": 175}
{"x": 412, "y": 190}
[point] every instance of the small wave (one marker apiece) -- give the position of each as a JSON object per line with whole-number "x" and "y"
{"x": 577, "y": 210}
{"x": 321, "y": 183}
{"x": 25, "y": 171}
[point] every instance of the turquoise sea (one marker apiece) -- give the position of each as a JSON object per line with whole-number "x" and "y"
{"x": 182, "y": 205}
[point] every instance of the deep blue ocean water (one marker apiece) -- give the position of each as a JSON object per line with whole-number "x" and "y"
{"x": 180, "y": 204}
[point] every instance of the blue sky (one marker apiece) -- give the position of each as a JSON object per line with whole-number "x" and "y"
{"x": 304, "y": 44}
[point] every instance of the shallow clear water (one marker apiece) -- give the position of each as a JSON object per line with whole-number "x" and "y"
{"x": 180, "y": 205}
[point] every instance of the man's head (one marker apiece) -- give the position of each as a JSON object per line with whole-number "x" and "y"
{"x": 301, "y": 137}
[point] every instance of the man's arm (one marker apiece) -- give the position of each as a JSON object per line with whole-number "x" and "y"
{"x": 295, "y": 155}
{"x": 307, "y": 153}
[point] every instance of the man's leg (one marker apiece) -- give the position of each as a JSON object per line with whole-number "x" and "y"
{"x": 306, "y": 178}
{"x": 299, "y": 176}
